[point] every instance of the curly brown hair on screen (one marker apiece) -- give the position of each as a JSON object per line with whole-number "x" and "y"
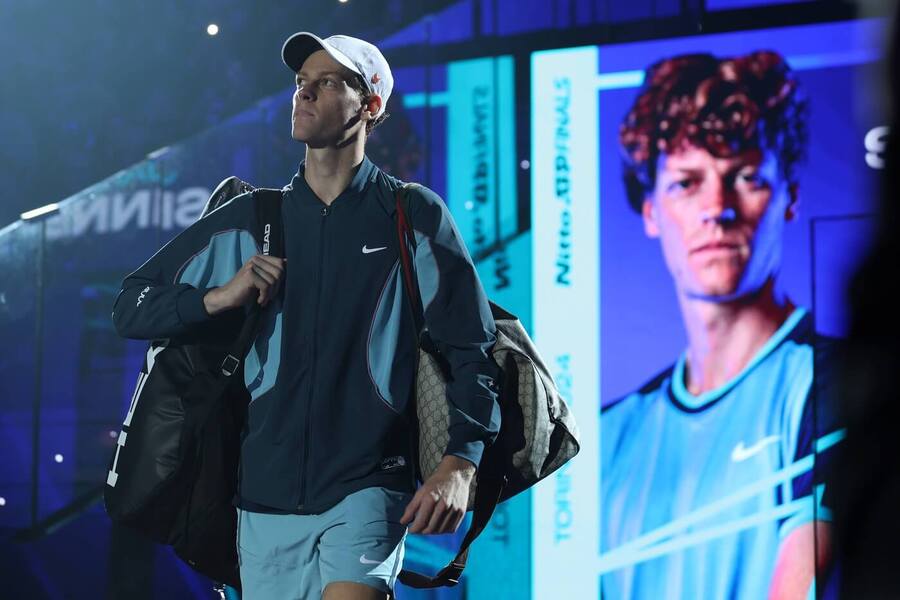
{"x": 357, "y": 84}
{"x": 724, "y": 106}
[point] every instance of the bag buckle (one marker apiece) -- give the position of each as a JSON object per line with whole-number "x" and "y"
{"x": 230, "y": 365}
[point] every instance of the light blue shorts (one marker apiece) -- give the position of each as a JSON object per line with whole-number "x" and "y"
{"x": 293, "y": 557}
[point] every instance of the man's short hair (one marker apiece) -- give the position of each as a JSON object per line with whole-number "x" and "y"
{"x": 356, "y": 83}
{"x": 724, "y": 106}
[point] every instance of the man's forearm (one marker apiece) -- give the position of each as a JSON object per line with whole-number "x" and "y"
{"x": 452, "y": 463}
{"x": 805, "y": 551}
{"x": 213, "y": 302}
{"x": 144, "y": 310}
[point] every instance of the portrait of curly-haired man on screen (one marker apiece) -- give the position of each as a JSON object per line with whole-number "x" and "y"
{"x": 708, "y": 488}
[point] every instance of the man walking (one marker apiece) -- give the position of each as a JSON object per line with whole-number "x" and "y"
{"x": 326, "y": 482}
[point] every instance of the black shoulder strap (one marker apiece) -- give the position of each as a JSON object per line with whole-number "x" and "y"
{"x": 490, "y": 480}
{"x": 225, "y": 191}
{"x": 269, "y": 233}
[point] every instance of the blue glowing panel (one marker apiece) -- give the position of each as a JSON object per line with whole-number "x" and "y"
{"x": 712, "y": 5}
{"x": 93, "y": 240}
{"x": 481, "y": 177}
{"x": 520, "y": 16}
{"x": 481, "y": 193}
{"x": 462, "y": 113}
{"x": 19, "y": 251}
{"x": 621, "y": 12}
{"x": 453, "y": 24}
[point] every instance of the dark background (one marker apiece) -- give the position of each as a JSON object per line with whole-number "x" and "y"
{"x": 93, "y": 86}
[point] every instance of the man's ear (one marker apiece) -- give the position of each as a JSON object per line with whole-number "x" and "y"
{"x": 371, "y": 106}
{"x": 792, "y": 207}
{"x": 649, "y": 213}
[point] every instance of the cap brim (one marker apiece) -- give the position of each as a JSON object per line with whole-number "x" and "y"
{"x": 299, "y": 46}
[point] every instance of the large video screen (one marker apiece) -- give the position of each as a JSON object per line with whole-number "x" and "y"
{"x": 697, "y": 207}
{"x": 701, "y": 467}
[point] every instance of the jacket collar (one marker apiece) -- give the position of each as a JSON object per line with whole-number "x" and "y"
{"x": 300, "y": 190}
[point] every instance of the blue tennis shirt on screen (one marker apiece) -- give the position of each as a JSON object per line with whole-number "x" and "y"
{"x": 697, "y": 492}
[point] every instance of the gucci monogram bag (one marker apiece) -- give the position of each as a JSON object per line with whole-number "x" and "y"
{"x": 538, "y": 433}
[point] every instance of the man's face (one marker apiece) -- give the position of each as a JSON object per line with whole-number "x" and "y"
{"x": 719, "y": 220}
{"x": 326, "y": 109}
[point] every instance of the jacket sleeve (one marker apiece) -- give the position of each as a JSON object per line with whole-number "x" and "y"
{"x": 164, "y": 297}
{"x": 459, "y": 322}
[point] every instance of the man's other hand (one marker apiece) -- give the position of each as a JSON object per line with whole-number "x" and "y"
{"x": 259, "y": 279}
{"x": 440, "y": 503}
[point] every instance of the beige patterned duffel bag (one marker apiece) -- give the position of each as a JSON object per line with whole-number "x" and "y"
{"x": 538, "y": 433}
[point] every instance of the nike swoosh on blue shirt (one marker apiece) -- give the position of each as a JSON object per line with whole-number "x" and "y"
{"x": 742, "y": 453}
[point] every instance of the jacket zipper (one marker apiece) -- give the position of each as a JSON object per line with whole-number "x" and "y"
{"x": 312, "y": 385}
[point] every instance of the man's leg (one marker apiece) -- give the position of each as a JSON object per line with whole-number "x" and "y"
{"x": 344, "y": 590}
{"x": 361, "y": 555}
{"x": 278, "y": 556}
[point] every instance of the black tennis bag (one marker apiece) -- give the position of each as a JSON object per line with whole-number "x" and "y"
{"x": 173, "y": 475}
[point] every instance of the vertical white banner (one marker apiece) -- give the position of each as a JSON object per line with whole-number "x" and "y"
{"x": 565, "y": 278}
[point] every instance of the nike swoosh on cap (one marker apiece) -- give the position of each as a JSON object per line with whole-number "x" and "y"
{"x": 367, "y": 250}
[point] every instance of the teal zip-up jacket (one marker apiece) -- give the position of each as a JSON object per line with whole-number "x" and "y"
{"x": 331, "y": 373}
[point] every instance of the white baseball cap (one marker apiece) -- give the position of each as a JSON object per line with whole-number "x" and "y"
{"x": 358, "y": 55}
